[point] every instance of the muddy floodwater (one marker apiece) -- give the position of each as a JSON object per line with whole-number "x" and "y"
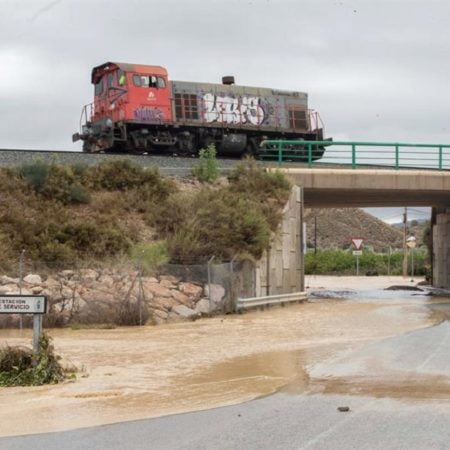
{"x": 133, "y": 373}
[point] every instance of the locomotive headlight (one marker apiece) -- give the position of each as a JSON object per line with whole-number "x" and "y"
{"x": 109, "y": 123}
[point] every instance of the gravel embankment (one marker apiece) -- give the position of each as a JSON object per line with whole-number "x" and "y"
{"x": 168, "y": 165}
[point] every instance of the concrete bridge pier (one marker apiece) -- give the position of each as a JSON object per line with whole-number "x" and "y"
{"x": 441, "y": 247}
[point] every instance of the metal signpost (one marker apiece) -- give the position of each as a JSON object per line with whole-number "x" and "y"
{"x": 357, "y": 244}
{"x": 411, "y": 243}
{"x": 26, "y": 304}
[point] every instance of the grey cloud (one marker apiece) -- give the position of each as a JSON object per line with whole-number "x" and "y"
{"x": 377, "y": 73}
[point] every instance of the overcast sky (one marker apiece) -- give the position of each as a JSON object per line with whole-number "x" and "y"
{"x": 374, "y": 69}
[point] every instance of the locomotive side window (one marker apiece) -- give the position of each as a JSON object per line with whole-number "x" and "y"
{"x": 99, "y": 87}
{"x": 186, "y": 106}
{"x": 121, "y": 77}
{"x": 161, "y": 83}
{"x": 110, "y": 80}
{"x": 151, "y": 81}
{"x": 297, "y": 118}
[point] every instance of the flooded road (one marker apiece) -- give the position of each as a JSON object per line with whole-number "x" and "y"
{"x": 325, "y": 345}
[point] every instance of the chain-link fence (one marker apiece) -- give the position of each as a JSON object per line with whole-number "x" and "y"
{"x": 125, "y": 296}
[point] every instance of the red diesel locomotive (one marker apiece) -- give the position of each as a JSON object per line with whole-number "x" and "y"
{"x": 137, "y": 109}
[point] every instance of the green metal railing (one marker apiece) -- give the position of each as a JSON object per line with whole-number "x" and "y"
{"x": 358, "y": 154}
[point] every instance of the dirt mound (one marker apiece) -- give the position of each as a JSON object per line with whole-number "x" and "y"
{"x": 336, "y": 226}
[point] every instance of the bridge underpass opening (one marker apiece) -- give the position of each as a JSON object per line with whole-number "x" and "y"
{"x": 340, "y": 188}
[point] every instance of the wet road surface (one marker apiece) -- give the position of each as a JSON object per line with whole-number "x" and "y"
{"x": 383, "y": 353}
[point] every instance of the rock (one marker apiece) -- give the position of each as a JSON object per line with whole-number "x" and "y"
{"x": 88, "y": 274}
{"x": 162, "y": 303}
{"x": 180, "y": 297}
{"x": 202, "y": 306}
{"x": 37, "y": 289}
{"x": 106, "y": 280}
{"x": 343, "y": 408}
{"x": 170, "y": 278}
{"x": 51, "y": 282}
{"x": 191, "y": 290}
{"x": 33, "y": 279}
{"x": 7, "y": 288}
{"x": 67, "y": 274}
{"x": 166, "y": 283}
{"x": 215, "y": 293}
{"x": 160, "y": 314}
{"x": 185, "y": 312}
{"x": 150, "y": 279}
{"x": 17, "y": 292}
{"x": 157, "y": 290}
{"x": 8, "y": 280}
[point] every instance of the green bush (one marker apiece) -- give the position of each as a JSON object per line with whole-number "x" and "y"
{"x": 207, "y": 171}
{"x": 54, "y": 182}
{"x": 211, "y": 222}
{"x": 18, "y": 367}
{"x": 149, "y": 256}
{"x": 344, "y": 262}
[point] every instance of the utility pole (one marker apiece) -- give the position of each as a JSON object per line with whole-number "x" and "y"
{"x": 405, "y": 248}
{"x": 315, "y": 234}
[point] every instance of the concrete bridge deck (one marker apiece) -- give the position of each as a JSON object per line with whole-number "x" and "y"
{"x": 367, "y": 187}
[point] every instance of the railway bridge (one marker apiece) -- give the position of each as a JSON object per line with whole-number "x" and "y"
{"x": 409, "y": 185}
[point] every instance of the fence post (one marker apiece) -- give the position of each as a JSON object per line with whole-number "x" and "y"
{"x": 353, "y": 156}
{"x": 440, "y": 158}
{"x": 397, "y": 156}
{"x": 280, "y": 153}
{"x": 233, "y": 297}
{"x": 209, "y": 278}
{"x": 21, "y": 259}
{"x": 309, "y": 155}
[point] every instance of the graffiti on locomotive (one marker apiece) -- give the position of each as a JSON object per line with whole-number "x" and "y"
{"x": 235, "y": 110}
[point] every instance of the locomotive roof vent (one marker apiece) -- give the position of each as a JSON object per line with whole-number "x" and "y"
{"x": 228, "y": 79}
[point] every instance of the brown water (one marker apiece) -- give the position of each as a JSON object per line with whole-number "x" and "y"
{"x": 134, "y": 373}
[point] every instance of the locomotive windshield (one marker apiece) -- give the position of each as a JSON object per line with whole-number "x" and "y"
{"x": 99, "y": 87}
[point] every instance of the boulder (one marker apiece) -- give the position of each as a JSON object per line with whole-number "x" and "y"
{"x": 160, "y": 314}
{"x": 8, "y": 280}
{"x": 150, "y": 279}
{"x": 7, "y": 288}
{"x": 67, "y": 274}
{"x": 185, "y": 312}
{"x": 37, "y": 289}
{"x": 215, "y": 293}
{"x": 157, "y": 290}
{"x": 33, "y": 279}
{"x": 106, "y": 280}
{"x": 88, "y": 274}
{"x": 170, "y": 278}
{"x": 191, "y": 290}
{"x": 180, "y": 297}
{"x": 202, "y": 306}
{"x": 17, "y": 292}
{"x": 51, "y": 282}
{"x": 168, "y": 284}
{"x": 162, "y": 303}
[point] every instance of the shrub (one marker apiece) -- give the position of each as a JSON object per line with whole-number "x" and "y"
{"x": 251, "y": 179}
{"x": 212, "y": 222}
{"x": 206, "y": 171}
{"x": 18, "y": 367}
{"x": 343, "y": 262}
{"x": 54, "y": 182}
{"x": 150, "y": 256}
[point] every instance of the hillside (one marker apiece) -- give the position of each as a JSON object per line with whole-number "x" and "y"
{"x": 336, "y": 226}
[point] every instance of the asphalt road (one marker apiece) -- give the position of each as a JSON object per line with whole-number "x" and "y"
{"x": 281, "y": 421}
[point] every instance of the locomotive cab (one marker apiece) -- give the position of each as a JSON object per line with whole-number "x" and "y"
{"x": 130, "y": 101}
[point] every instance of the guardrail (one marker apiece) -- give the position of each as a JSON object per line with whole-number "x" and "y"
{"x": 358, "y": 154}
{"x": 281, "y": 299}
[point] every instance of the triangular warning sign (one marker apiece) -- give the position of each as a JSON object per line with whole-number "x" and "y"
{"x": 357, "y": 242}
